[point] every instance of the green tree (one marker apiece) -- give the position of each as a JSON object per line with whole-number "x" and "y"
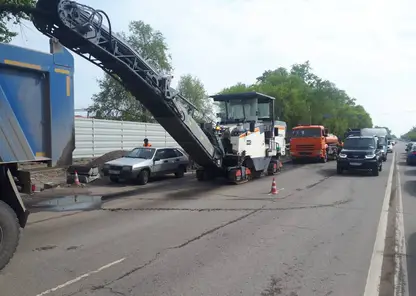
{"x": 410, "y": 135}
{"x": 113, "y": 101}
{"x": 6, "y": 35}
{"x": 304, "y": 98}
{"x": 193, "y": 90}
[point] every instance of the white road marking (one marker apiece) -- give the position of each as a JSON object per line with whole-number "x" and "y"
{"x": 401, "y": 287}
{"x": 81, "y": 277}
{"x": 374, "y": 272}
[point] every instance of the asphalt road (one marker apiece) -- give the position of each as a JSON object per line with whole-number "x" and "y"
{"x": 316, "y": 237}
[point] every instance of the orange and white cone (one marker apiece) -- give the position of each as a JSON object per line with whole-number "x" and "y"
{"x": 76, "y": 180}
{"x": 274, "y": 190}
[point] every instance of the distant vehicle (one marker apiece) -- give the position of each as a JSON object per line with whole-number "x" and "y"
{"x": 411, "y": 155}
{"x": 313, "y": 142}
{"x": 143, "y": 163}
{"x": 390, "y": 145}
{"x": 361, "y": 153}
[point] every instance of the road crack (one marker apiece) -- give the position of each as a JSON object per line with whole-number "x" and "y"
{"x": 215, "y": 229}
{"x": 334, "y": 204}
{"x": 130, "y": 271}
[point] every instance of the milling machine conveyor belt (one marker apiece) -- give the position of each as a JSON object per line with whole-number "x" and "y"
{"x": 80, "y": 28}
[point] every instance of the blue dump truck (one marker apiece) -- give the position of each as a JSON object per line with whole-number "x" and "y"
{"x": 36, "y": 125}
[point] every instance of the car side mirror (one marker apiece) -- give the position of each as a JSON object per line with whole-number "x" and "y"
{"x": 156, "y": 159}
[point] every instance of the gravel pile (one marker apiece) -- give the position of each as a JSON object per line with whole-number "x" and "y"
{"x": 99, "y": 161}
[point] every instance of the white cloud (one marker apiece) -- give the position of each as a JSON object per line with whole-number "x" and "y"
{"x": 366, "y": 47}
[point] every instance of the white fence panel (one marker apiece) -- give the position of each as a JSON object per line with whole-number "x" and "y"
{"x": 95, "y": 137}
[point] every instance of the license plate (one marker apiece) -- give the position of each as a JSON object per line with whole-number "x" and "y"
{"x": 112, "y": 172}
{"x": 355, "y": 163}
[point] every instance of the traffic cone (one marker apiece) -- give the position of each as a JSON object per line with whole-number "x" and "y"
{"x": 274, "y": 190}
{"x": 76, "y": 180}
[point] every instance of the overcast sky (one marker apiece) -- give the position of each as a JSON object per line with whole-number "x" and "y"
{"x": 366, "y": 47}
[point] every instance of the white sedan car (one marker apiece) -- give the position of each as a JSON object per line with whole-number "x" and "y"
{"x": 389, "y": 146}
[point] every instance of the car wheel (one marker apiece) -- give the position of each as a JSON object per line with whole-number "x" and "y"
{"x": 375, "y": 171}
{"x": 180, "y": 172}
{"x": 114, "y": 179}
{"x": 143, "y": 177}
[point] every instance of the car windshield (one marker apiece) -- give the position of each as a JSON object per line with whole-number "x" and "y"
{"x": 359, "y": 143}
{"x": 306, "y": 133}
{"x": 146, "y": 153}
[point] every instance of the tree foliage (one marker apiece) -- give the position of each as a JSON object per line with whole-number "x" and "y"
{"x": 6, "y": 35}
{"x": 193, "y": 90}
{"x": 410, "y": 135}
{"x": 113, "y": 101}
{"x": 304, "y": 98}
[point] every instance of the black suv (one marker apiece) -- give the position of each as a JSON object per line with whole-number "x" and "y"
{"x": 361, "y": 153}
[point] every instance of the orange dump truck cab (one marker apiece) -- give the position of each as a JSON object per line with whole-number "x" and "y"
{"x": 313, "y": 142}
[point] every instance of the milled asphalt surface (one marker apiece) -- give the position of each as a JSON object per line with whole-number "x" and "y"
{"x": 315, "y": 237}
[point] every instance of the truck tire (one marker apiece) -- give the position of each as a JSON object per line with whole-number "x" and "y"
{"x": 9, "y": 234}
{"x": 114, "y": 179}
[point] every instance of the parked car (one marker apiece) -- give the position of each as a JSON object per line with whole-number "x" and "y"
{"x": 411, "y": 156}
{"x": 143, "y": 163}
{"x": 390, "y": 146}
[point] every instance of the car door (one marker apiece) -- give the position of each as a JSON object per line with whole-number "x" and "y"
{"x": 180, "y": 159}
{"x": 161, "y": 162}
{"x": 173, "y": 160}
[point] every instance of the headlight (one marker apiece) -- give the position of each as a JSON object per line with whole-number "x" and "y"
{"x": 126, "y": 168}
{"x": 342, "y": 155}
{"x": 370, "y": 156}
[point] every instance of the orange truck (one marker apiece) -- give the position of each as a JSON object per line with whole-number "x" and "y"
{"x": 313, "y": 142}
